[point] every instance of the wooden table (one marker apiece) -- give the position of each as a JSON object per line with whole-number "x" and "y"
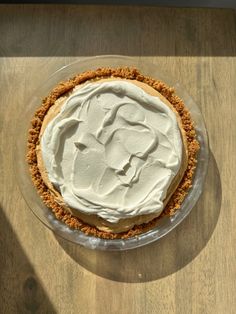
{"x": 193, "y": 269}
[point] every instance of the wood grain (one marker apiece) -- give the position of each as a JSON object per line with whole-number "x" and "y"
{"x": 193, "y": 269}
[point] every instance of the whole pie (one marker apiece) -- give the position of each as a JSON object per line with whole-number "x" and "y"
{"x": 111, "y": 151}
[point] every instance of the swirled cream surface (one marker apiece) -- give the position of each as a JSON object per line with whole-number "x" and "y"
{"x": 112, "y": 150}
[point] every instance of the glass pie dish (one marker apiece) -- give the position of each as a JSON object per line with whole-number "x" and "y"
{"x": 46, "y": 216}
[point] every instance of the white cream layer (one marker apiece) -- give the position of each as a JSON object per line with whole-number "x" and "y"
{"x": 113, "y": 150}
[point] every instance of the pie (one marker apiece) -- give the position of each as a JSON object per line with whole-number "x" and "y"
{"x": 111, "y": 151}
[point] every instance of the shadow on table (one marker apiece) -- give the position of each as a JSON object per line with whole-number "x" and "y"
{"x": 165, "y": 256}
{"x": 20, "y": 289}
{"x": 74, "y": 30}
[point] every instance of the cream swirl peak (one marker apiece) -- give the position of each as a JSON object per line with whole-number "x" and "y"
{"x": 113, "y": 150}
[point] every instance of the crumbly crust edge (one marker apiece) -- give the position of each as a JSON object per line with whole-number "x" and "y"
{"x": 123, "y": 72}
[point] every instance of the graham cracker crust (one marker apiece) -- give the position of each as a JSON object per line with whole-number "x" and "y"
{"x": 122, "y": 72}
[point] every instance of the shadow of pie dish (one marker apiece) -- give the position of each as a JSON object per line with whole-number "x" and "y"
{"x": 113, "y": 153}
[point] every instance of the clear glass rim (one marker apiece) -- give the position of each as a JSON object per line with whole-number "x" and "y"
{"x": 47, "y": 217}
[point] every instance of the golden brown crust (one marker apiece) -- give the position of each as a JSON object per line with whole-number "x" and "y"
{"x": 128, "y": 73}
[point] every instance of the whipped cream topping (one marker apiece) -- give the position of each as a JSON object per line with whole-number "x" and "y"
{"x": 113, "y": 150}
